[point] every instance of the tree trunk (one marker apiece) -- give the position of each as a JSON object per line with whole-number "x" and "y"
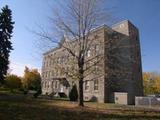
{"x": 81, "y": 73}
{"x": 81, "y": 92}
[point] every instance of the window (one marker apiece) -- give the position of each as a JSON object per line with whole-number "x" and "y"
{"x": 52, "y": 73}
{"x": 56, "y": 84}
{"x": 58, "y": 60}
{"x": 55, "y": 60}
{"x": 48, "y": 83}
{"x": 46, "y": 64}
{"x": 61, "y": 88}
{"x": 46, "y": 74}
{"x": 96, "y": 84}
{"x": 49, "y": 62}
{"x": 43, "y": 74}
{"x": 56, "y": 72}
{"x": 45, "y": 84}
{"x": 76, "y": 53}
{"x": 96, "y": 69}
{"x": 67, "y": 57}
{"x": 97, "y": 49}
{"x": 88, "y": 53}
{"x": 52, "y": 84}
{"x": 86, "y": 85}
{"x": 121, "y": 25}
{"x": 52, "y": 62}
{"x": 62, "y": 60}
{"x": 137, "y": 38}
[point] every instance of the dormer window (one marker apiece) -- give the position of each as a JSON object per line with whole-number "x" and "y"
{"x": 121, "y": 25}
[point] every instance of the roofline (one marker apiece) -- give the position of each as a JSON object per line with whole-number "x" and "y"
{"x": 92, "y": 30}
{"x": 118, "y": 23}
{"x": 51, "y": 50}
{"x": 96, "y": 29}
{"x": 126, "y": 20}
{"x": 100, "y": 27}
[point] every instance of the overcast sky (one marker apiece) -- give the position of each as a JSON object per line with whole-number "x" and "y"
{"x": 145, "y": 14}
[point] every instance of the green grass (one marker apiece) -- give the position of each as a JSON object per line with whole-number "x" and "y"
{"x": 8, "y": 90}
{"x": 20, "y": 107}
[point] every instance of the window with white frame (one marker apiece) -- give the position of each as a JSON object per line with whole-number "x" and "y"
{"x": 49, "y": 74}
{"x": 56, "y": 84}
{"x": 46, "y": 64}
{"x": 96, "y": 69}
{"x": 61, "y": 60}
{"x": 52, "y": 84}
{"x": 52, "y": 73}
{"x": 45, "y": 84}
{"x": 61, "y": 88}
{"x": 86, "y": 85}
{"x": 46, "y": 74}
{"x": 89, "y": 53}
{"x": 48, "y": 83}
{"x": 121, "y": 25}
{"x": 96, "y": 84}
{"x": 53, "y": 62}
{"x": 97, "y": 50}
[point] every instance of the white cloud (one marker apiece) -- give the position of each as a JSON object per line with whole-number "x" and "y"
{"x": 18, "y": 68}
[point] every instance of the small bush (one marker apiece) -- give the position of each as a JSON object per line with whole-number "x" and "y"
{"x": 25, "y": 91}
{"x": 93, "y": 99}
{"x": 37, "y": 93}
{"x": 62, "y": 95}
{"x": 73, "y": 95}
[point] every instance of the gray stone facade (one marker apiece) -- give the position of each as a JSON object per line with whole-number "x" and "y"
{"x": 120, "y": 67}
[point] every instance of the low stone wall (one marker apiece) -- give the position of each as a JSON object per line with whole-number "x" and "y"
{"x": 147, "y": 101}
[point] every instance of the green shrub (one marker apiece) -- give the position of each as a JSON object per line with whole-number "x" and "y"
{"x": 73, "y": 95}
{"x": 37, "y": 93}
{"x": 25, "y": 92}
{"x": 13, "y": 82}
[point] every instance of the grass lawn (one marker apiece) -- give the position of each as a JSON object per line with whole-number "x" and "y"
{"x": 20, "y": 107}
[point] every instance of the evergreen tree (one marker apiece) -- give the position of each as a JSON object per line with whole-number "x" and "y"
{"x": 6, "y": 29}
{"x": 73, "y": 95}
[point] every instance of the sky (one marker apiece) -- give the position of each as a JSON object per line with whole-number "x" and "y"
{"x": 28, "y": 14}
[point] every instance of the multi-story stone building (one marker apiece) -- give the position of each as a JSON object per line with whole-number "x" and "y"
{"x": 119, "y": 71}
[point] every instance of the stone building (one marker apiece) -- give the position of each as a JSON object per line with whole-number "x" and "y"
{"x": 119, "y": 71}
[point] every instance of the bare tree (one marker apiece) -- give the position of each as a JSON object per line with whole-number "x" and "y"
{"x": 76, "y": 21}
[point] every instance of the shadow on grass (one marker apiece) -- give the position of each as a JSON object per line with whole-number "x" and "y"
{"x": 18, "y": 107}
